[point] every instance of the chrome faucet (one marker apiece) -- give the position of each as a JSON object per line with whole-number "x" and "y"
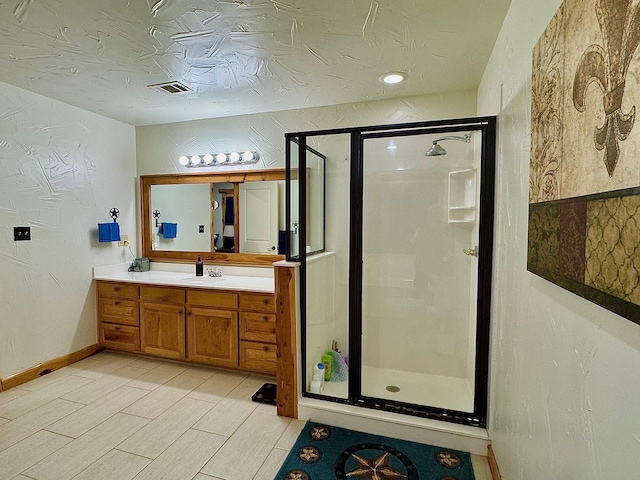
{"x": 214, "y": 273}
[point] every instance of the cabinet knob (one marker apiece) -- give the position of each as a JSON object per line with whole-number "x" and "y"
{"x": 265, "y": 348}
{"x": 117, "y": 329}
{"x": 265, "y": 302}
{"x": 116, "y": 289}
{"x": 179, "y": 312}
{"x": 116, "y": 302}
{"x": 265, "y": 318}
{"x": 164, "y": 299}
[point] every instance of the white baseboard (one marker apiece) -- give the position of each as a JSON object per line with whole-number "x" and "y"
{"x": 433, "y": 432}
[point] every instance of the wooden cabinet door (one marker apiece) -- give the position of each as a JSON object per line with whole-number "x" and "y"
{"x": 162, "y": 330}
{"x": 258, "y": 357}
{"x": 212, "y": 336}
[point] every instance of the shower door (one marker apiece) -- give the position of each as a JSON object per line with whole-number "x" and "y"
{"x": 420, "y": 237}
{"x": 402, "y": 292}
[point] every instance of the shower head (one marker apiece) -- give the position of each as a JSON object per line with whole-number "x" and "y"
{"x": 437, "y": 150}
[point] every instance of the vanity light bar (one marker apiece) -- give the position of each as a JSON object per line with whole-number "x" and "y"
{"x": 220, "y": 159}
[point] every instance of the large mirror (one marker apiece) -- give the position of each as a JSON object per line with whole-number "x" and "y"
{"x": 226, "y": 217}
{"x": 230, "y": 217}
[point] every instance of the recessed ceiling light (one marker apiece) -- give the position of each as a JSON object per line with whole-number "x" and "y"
{"x": 393, "y": 77}
{"x": 391, "y": 147}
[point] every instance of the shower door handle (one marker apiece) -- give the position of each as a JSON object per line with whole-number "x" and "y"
{"x": 472, "y": 252}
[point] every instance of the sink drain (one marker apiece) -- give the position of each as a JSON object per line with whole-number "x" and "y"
{"x": 393, "y": 388}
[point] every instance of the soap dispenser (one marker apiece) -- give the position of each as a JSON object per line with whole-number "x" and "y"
{"x": 199, "y": 267}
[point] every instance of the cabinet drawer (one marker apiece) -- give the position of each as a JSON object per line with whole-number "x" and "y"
{"x": 258, "y": 327}
{"x": 115, "y": 310}
{"x": 119, "y": 337}
{"x": 120, "y": 290}
{"x": 258, "y": 357}
{"x": 257, "y": 301}
{"x": 208, "y": 298}
{"x": 162, "y": 295}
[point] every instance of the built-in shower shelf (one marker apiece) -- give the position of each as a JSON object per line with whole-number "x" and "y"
{"x": 462, "y": 196}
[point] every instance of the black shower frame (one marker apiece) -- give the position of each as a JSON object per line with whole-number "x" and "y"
{"x": 487, "y": 126}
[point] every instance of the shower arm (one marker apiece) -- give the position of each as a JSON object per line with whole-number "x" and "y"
{"x": 466, "y": 138}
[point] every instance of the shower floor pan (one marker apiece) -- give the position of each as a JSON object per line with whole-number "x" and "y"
{"x": 417, "y": 388}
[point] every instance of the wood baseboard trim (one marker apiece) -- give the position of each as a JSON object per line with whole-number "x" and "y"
{"x": 46, "y": 367}
{"x": 493, "y": 464}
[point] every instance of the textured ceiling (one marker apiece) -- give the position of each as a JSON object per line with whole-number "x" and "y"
{"x": 241, "y": 56}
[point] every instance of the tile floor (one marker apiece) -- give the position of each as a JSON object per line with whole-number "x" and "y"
{"x": 116, "y": 416}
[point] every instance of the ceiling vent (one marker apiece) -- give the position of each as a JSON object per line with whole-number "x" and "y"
{"x": 171, "y": 87}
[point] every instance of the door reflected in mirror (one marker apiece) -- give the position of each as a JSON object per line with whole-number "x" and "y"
{"x": 231, "y": 217}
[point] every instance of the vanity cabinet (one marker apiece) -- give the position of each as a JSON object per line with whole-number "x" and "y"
{"x": 118, "y": 320}
{"x": 213, "y": 327}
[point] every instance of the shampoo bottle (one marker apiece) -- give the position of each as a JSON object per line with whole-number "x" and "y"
{"x": 199, "y": 267}
{"x": 318, "y": 378}
{"x": 327, "y": 360}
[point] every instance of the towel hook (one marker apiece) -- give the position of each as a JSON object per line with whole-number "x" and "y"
{"x": 114, "y": 213}
{"x": 156, "y": 215}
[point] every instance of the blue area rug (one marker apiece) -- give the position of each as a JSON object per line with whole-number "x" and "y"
{"x": 323, "y": 452}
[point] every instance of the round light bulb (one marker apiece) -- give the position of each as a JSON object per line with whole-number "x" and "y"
{"x": 195, "y": 160}
{"x": 391, "y": 78}
{"x": 234, "y": 157}
{"x": 183, "y": 160}
{"x": 208, "y": 158}
{"x": 221, "y": 158}
{"x": 247, "y": 156}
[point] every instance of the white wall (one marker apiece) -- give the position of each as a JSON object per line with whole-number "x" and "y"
{"x": 61, "y": 170}
{"x": 564, "y": 385}
{"x": 160, "y": 146}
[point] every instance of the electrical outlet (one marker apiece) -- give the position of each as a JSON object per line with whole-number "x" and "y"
{"x": 124, "y": 241}
{"x": 201, "y": 229}
{"x": 21, "y": 233}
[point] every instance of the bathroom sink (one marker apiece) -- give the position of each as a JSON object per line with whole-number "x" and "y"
{"x": 202, "y": 280}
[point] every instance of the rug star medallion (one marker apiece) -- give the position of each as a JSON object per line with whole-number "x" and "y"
{"x": 323, "y": 452}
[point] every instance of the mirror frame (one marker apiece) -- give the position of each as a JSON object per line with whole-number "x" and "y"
{"x": 227, "y": 176}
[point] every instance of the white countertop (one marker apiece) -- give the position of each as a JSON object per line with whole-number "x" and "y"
{"x": 183, "y": 279}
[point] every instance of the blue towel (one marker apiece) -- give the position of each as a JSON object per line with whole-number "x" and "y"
{"x": 109, "y": 232}
{"x": 104, "y": 232}
{"x": 168, "y": 230}
{"x": 114, "y": 228}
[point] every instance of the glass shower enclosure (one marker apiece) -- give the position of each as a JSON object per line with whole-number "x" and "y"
{"x": 397, "y": 303}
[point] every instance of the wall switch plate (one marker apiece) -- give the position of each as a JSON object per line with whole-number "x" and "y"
{"x": 201, "y": 229}
{"x": 21, "y": 233}
{"x": 124, "y": 241}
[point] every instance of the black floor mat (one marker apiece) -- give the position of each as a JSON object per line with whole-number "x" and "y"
{"x": 266, "y": 394}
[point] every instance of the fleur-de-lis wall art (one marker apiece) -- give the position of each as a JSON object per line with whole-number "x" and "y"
{"x": 607, "y": 65}
{"x": 583, "y": 218}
